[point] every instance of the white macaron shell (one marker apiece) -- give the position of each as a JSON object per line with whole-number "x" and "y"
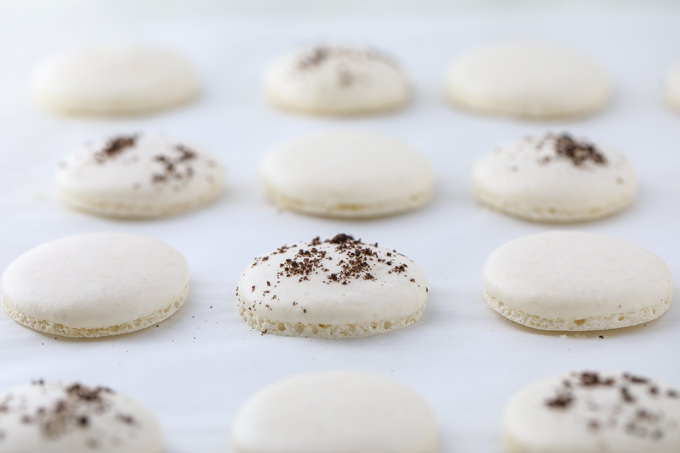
{"x": 104, "y": 428}
{"x": 124, "y": 184}
{"x": 515, "y": 177}
{"x": 576, "y": 275}
{"x": 390, "y": 296}
{"x": 527, "y": 78}
{"x": 353, "y": 170}
{"x": 531, "y": 427}
{"x": 335, "y": 412}
{"x": 371, "y": 83}
{"x": 114, "y": 79}
{"x": 96, "y": 280}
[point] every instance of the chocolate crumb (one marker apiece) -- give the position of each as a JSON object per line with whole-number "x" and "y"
{"x": 578, "y": 152}
{"x": 115, "y": 146}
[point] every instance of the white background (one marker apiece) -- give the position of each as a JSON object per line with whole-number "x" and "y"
{"x": 198, "y": 367}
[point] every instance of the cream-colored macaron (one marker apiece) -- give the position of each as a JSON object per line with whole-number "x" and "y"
{"x": 114, "y": 80}
{"x": 569, "y": 281}
{"x": 347, "y": 173}
{"x": 138, "y": 176}
{"x": 554, "y": 178}
{"x": 334, "y": 288}
{"x": 527, "y": 79}
{"x": 593, "y": 412}
{"x": 94, "y": 285}
{"x": 54, "y": 417}
{"x": 673, "y": 87}
{"x": 336, "y": 80}
{"x": 335, "y": 412}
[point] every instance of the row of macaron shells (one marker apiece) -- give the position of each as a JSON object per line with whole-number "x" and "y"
{"x": 518, "y": 78}
{"x": 588, "y": 412}
{"x": 552, "y": 178}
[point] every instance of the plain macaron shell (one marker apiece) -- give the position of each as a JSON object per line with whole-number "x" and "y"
{"x": 527, "y": 79}
{"x": 568, "y": 280}
{"x": 347, "y": 173}
{"x": 114, "y": 80}
{"x": 95, "y": 284}
{"x": 335, "y": 412}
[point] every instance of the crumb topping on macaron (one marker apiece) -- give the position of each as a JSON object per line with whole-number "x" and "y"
{"x": 579, "y": 153}
{"x": 68, "y": 409}
{"x": 320, "y": 56}
{"x": 639, "y": 419}
{"x": 354, "y": 261}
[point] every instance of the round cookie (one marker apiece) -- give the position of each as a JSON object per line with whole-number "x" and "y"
{"x": 673, "y": 88}
{"x": 335, "y": 288}
{"x": 335, "y": 412}
{"x": 590, "y": 412}
{"x": 114, "y": 80}
{"x": 52, "y": 417}
{"x": 95, "y": 285}
{"x": 570, "y": 281}
{"x": 554, "y": 178}
{"x": 336, "y": 80}
{"x": 138, "y": 176}
{"x": 527, "y": 79}
{"x": 348, "y": 174}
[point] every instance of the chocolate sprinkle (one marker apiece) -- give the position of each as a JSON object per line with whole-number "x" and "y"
{"x": 628, "y": 412}
{"x": 115, "y": 146}
{"x": 75, "y": 408}
{"x": 578, "y": 152}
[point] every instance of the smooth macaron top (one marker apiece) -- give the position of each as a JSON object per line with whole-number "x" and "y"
{"x": 347, "y": 173}
{"x": 114, "y": 79}
{"x": 527, "y": 78}
{"x": 673, "y": 87}
{"x": 572, "y": 275}
{"x": 591, "y": 412}
{"x": 335, "y": 281}
{"x": 138, "y": 175}
{"x": 53, "y": 417}
{"x": 554, "y": 177}
{"x": 95, "y": 281}
{"x": 335, "y": 412}
{"x": 336, "y": 80}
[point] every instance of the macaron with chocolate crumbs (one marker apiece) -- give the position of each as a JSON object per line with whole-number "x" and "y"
{"x": 336, "y": 79}
{"x": 138, "y": 176}
{"x": 334, "y": 288}
{"x": 554, "y": 178}
{"x": 56, "y": 417}
{"x": 593, "y": 412}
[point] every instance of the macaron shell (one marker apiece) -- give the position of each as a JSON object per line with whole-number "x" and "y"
{"x": 527, "y": 79}
{"x": 114, "y": 80}
{"x": 529, "y": 180}
{"x": 344, "y": 173}
{"x": 152, "y": 176}
{"x": 567, "y": 280}
{"x": 335, "y": 412}
{"x": 95, "y": 284}
{"x": 336, "y": 80}
{"x": 108, "y": 423}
